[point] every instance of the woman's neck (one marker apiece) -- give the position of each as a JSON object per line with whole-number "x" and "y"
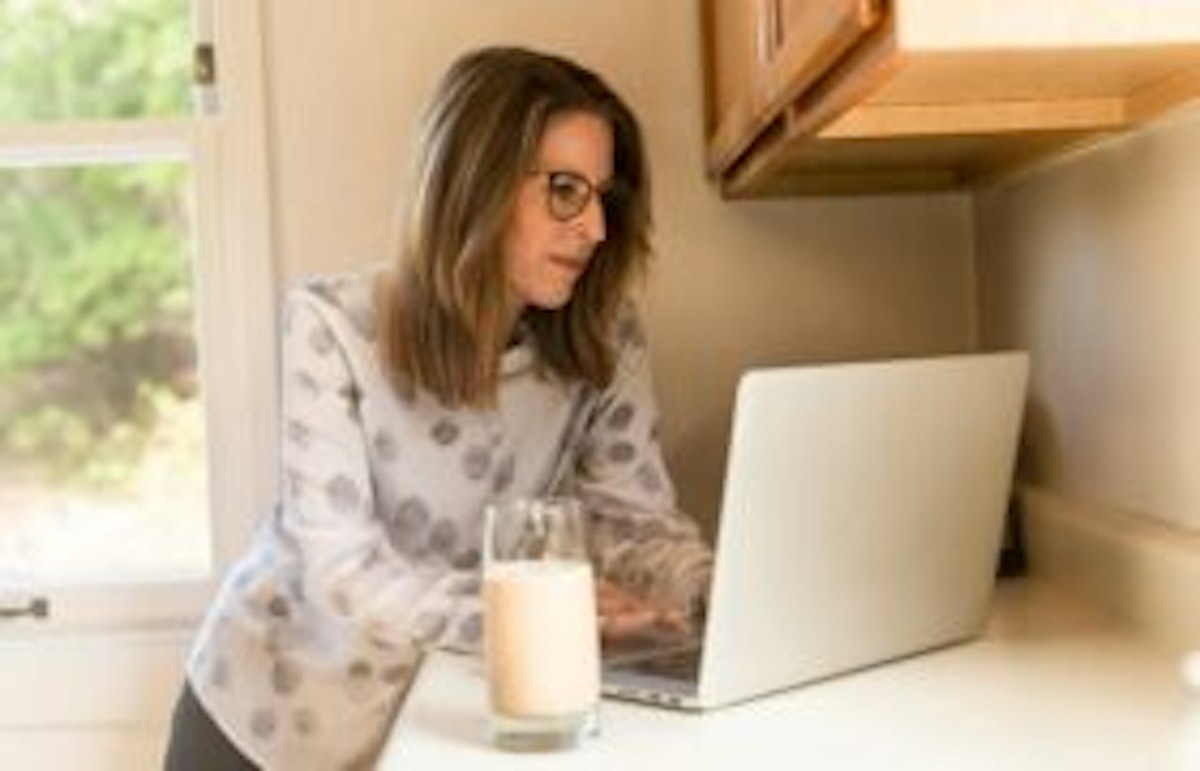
{"x": 512, "y": 321}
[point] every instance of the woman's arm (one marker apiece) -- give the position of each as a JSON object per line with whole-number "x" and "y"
{"x": 641, "y": 542}
{"x": 353, "y": 562}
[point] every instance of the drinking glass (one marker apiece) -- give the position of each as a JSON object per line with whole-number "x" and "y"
{"x": 541, "y": 638}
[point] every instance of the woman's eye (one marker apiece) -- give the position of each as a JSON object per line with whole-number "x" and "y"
{"x": 567, "y": 190}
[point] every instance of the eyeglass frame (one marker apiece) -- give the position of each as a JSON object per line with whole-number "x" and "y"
{"x": 605, "y": 194}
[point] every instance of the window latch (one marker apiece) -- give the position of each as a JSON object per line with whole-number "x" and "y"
{"x": 204, "y": 65}
{"x": 204, "y": 78}
{"x": 38, "y": 607}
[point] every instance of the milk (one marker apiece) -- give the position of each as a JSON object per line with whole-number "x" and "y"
{"x": 541, "y": 638}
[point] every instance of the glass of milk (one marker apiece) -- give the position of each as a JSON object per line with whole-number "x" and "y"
{"x": 541, "y": 639}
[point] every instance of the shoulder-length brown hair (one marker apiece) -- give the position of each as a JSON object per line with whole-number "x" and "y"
{"x": 443, "y": 310}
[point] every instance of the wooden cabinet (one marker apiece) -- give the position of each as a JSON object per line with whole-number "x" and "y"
{"x": 826, "y": 96}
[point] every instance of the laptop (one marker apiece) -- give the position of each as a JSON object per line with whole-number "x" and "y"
{"x": 862, "y": 516}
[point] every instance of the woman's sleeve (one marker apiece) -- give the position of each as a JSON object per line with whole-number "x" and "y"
{"x": 639, "y": 538}
{"x": 352, "y": 566}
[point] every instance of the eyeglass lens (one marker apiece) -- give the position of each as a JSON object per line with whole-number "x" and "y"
{"x": 568, "y": 193}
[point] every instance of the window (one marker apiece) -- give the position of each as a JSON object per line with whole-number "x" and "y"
{"x": 136, "y": 304}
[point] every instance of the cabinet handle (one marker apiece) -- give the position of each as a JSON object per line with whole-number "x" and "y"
{"x": 768, "y": 32}
{"x": 38, "y": 607}
{"x": 776, "y": 25}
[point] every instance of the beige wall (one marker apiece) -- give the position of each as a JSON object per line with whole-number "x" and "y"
{"x": 801, "y": 280}
{"x": 1094, "y": 265}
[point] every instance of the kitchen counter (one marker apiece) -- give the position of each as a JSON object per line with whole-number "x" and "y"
{"x": 1054, "y": 683}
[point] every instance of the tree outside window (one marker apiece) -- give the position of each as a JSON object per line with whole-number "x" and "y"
{"x": 101, "y": 417}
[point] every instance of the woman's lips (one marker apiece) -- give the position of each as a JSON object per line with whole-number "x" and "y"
{"x": 574, "y": 265}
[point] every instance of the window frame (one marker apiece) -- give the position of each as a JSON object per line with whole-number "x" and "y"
{"x": 236, "y": 306}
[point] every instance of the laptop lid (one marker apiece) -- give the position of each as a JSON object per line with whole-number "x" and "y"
{"x": 862, "y": 515}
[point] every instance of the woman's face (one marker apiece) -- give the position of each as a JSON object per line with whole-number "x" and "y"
{"x": 558, "y": 219}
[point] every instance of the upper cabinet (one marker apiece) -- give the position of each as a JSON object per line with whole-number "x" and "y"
{"x": 827, "y": 96}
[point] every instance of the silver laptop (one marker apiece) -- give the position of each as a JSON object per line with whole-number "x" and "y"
{"x": 862, "y": 516}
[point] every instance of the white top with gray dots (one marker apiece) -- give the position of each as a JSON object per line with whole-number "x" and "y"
{"x": 372, "y": 553}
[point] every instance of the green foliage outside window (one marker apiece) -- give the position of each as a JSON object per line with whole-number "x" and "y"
{"x": 93, "y": 58}
{"x": 95, "y": 303}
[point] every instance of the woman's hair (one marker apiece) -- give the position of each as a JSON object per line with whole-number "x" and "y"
{"x": 444, "y": 309}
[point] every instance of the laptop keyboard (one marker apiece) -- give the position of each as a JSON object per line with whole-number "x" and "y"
{"x": 681, "y": 665}
{"x": 675, "y": 659}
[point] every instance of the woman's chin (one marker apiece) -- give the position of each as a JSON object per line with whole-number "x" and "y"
{"x": 553, "y": 300}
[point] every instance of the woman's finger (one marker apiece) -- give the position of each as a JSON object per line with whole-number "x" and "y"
{"x": 627, "y": 624}
{"x": 675, "y": 620}
{"x": 612, "y": 599}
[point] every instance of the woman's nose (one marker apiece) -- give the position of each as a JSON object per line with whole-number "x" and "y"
{"x": 592, "y": 220}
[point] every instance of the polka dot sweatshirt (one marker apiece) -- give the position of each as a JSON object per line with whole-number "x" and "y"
{"x": 372, "y": 555}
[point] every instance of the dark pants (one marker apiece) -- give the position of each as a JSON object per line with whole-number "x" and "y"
{"x": 197, "y": 744}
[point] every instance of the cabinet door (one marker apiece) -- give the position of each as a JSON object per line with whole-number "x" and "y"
{"x": 762, "y": 54}
{"x": 805, "y": 38}
{"x": 732, "y": 69}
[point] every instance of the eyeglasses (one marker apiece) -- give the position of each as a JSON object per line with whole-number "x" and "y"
{"x": 568, "y": 194}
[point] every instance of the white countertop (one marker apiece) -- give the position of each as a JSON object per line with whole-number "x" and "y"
{"x": 1053, "y": 684}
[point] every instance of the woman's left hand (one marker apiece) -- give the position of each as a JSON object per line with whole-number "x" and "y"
{"x": 625, "y": 616}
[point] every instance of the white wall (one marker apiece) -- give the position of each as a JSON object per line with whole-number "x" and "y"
{"x": 64, "y": 711}
{"x": 735, "y": 283}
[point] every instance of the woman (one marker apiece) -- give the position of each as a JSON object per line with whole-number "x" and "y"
{"x": 498, "y": 357}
